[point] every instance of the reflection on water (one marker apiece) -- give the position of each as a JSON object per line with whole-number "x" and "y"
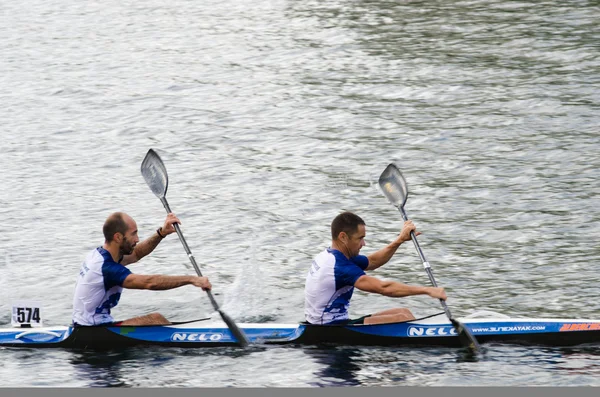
{"x": 580, "y": 360}
{"x": 339, "y": 367}
{"x": 348, "y": 366}
{"x": 116, "y": 368}
{"x": 104, "y": 369}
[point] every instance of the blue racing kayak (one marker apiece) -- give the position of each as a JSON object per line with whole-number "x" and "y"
{"x": 433, "y": 330}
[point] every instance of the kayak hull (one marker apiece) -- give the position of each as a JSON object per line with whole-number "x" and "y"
{"x": 430, "y": 331}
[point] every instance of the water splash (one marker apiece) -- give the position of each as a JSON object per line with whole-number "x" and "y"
{"x": 243, "y": 297}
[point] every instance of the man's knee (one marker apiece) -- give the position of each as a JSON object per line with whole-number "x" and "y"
{"x": 148, "y": 319}
{"x": 397, "y": 316}
{"x": 399, "y": 310}
{"x": 157, "y": 318}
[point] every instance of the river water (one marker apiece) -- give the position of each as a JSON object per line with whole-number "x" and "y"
{"x": 274, "y": 116}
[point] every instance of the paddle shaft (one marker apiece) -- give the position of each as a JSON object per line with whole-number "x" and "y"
{"x": 467, "y": 339}
{"x": 189, "y": 252}
{"x": 425, "y": 263}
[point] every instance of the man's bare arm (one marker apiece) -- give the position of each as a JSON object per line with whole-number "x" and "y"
{"x": 383, "y": 256}
{"x": 396, "y": 289}
{"x": 159, "y": 282}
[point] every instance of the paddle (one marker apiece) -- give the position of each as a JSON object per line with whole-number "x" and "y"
{"x": 394, "y": 188}
{"x": 155, "y": 174}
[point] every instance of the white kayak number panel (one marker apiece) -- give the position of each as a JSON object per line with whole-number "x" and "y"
{"x": 26, "y": 314}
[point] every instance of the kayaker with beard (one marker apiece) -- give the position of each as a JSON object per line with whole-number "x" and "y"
{"x": 104, "y": 274}
{"x": 337, "y": 270}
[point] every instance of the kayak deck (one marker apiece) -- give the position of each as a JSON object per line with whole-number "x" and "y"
{"x": 434, "y": 330}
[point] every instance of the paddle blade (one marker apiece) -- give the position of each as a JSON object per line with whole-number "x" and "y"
{"x": 393, "y": 185}
{"x": 466, "y": 337}
{"x": 155, "y": 174}
{"x": 235, "y": 330}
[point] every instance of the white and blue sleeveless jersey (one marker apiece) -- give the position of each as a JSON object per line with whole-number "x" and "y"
{"x": 98, "y": 288}
{"x": 330, "y": 284}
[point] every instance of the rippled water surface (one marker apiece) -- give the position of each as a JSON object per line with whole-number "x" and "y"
{"x": 272, "y": 117}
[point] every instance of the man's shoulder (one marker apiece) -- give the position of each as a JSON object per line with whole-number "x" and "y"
{"x": 101, "y": 258}
{"x": 341, "y": 259}
{"x": 94, "y": 256}
{"x": 106, "y": 256}
{"x": 322, "y": 254}
{"x": 356, "y": 263}
{"x": 338, "y": 260}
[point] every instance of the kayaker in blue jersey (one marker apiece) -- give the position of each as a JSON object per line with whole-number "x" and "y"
{"x": 103, "y": 274}
{"x": 337, "y": 270}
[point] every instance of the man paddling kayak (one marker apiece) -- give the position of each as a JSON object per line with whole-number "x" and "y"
{"x": 103, "y": 274}
{"x": 337, "y": 270}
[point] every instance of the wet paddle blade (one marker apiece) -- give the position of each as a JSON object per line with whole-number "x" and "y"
{"x": 155, "y": 174}
{"x": 466, "y": 337}
{"x": 235, "y": 330}
{"x": 393, "y": 185}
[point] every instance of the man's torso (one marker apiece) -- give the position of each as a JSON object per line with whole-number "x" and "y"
{"x": 330, "y": 284}
{"x": 98, "y": 289}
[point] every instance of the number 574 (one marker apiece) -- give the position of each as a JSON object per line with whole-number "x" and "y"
{"x": 27, "y": 314}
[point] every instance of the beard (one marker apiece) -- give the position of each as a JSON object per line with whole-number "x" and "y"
{"x": 126, "y": 247}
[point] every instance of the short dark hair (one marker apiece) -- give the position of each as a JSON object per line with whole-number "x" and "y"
{"x": 114, "y": 224}
{"x": 345, "y": 222}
